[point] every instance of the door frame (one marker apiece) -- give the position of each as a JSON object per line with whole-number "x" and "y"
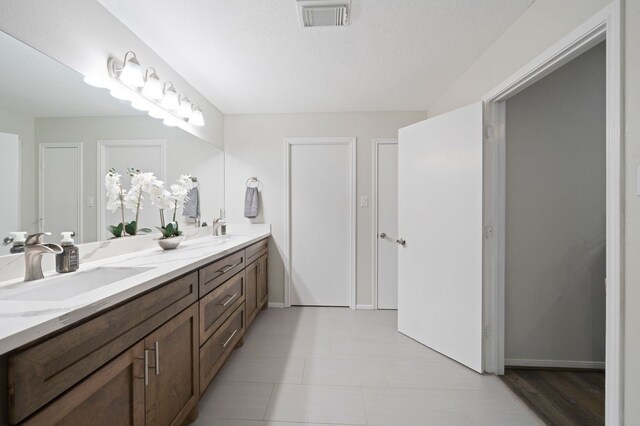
{"x": 101, "y": 171}
{"x": 374, "y": 204}
{"x": 288, "y": 143}
{"x": 41, "y": 148}
{"x": 605, "y": 25}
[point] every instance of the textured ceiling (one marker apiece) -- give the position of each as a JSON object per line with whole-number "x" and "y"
{"x": 252, "y": 56}
{"x": 35, "y": 85}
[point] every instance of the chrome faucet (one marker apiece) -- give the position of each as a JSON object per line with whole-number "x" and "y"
{"x": 34, "y": 248}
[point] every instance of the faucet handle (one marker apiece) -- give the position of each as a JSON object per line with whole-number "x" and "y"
{"x": 35, "y": 238}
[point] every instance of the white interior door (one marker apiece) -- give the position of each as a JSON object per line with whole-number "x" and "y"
{"x": 10, "y": 178}
{"x": 440, "y": 216}
{"x": 145, "y": 155}
{"x": 387, "y": 230}
{"x": 60, "y": 190}
{"x": 321, "y": 201}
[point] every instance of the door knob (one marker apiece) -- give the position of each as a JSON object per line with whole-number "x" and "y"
{"x": 383, "y": 235}
{"x": 9, "y": 239}
{"x": 402, "y": 242}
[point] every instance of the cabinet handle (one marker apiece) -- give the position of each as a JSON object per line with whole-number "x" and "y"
{"x": 224, "y": 345}
{"x": 227, "y": 268}
{"x": 146, "y": 367}
{"x": 229, "y": 300}
{"x": 157, "y": 358}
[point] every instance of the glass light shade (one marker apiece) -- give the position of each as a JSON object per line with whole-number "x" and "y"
{"x": 152, "y": 87}
{"x": 197, "y": 119}
{"x": 170, "y": 99}
{"x": 131, "y": 73}
{"x": 184, "y": 109}
{"x": 141, "y": 104}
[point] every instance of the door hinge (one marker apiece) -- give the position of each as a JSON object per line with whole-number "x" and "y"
{"x": 488, "y": 231}
{"x": 488, "y": 132}
{"x": 486, "y": 332}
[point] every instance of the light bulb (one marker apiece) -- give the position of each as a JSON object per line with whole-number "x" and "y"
{"x": 121, "y": 93}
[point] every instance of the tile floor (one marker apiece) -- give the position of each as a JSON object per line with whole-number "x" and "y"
{"x": 319, "y": 366}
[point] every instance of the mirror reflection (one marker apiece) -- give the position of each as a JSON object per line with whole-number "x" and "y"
{"x": 60, "y": 137}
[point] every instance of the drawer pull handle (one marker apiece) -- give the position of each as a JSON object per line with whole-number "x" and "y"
{"x": 146, "y": 367}
{"x": 227, "y": 268}
{"x": 157, "y": 358}
{"x": 224, "y": 345}
{"x": 229, "y": 300}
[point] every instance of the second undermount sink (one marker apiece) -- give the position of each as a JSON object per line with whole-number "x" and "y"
{"x": 66, "y": 286}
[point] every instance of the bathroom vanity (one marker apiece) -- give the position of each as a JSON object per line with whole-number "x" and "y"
{"x": 139, "y": 350}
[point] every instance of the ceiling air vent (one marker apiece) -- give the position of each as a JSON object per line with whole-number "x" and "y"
{"x": 321, "y": 13}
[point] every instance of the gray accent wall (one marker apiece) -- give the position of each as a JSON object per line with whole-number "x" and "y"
{"x": 555, "y": 215}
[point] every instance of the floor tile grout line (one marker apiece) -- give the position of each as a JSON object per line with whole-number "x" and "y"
{"x": 266, "y": 410}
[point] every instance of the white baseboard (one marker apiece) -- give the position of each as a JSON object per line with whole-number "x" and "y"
{"x": 276, "y": 305}
{"x": 364, "y": 306}
{"x": 552, "y": 363}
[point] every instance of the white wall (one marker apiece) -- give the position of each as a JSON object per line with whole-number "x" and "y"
{"x": 555, "y": 215}
{"x": 632, "y": 214}
{"x": 254, "y": 146}
{"x": 24, "y": 126}
{"x": 540, "y": 26}
{"x": 82, "y": 35}
{"x": 185, "y": 154}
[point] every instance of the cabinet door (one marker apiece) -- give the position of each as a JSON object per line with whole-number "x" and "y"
{"x": 172, "y": 351}
{"x": 113, "y": 395}
{"x": 252, "y": 292}
{"x": 262, "y": 280}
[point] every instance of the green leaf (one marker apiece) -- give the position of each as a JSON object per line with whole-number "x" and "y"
{"x": 116, "y": 231}
{"x": 131, "y": 227}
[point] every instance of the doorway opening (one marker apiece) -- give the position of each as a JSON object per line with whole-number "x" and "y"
{"x": 555, "y": 241}
{"x": 600, "y": 32}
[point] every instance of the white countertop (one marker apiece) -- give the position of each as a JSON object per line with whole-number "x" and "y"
{"x": 23, "y": 321}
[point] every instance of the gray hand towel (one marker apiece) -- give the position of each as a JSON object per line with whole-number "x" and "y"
{"x": 251, "y": 202}
{"x": 192, "y": 205}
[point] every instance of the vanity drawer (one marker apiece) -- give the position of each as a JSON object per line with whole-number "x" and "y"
{"x": 256, "y": 250}
{"x": 213, "y": 275}
{"x": 218, "y": 305}
{"x": 41, "y": 373}
{"x": 217, "y": 349}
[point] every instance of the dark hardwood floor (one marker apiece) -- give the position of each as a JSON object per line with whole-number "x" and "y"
{"x": 560, "y": 397}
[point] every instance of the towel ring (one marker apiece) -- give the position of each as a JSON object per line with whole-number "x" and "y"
{"x": 253, "y": 180}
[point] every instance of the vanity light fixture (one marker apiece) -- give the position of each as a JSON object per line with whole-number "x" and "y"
{"x": 184, "y": 107}
{"x": 152, "y": 87}
{"x": 147, "y": 93}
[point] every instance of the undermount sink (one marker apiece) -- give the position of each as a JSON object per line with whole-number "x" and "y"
{"x": 57, "y": 288}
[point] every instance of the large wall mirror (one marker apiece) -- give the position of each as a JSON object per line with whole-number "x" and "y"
{"x": 60, "y": 136}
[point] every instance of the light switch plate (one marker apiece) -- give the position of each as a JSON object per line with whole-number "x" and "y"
{"x": 364, "y": 201}
{"x": 91, "y": 201}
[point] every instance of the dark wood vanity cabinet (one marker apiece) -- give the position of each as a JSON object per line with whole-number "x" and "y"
{"x": 172, "y": 353}
{"x": 146, "y": 361}
{"x": 114, "y": 395}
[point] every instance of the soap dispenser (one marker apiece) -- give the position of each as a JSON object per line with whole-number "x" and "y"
{"x": 69, "y": 259}
{"x": 19, "y": 239}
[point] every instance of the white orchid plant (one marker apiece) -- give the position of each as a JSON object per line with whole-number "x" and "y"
{"x": 145, "y": 183}
{"x": 174, "y": 199}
